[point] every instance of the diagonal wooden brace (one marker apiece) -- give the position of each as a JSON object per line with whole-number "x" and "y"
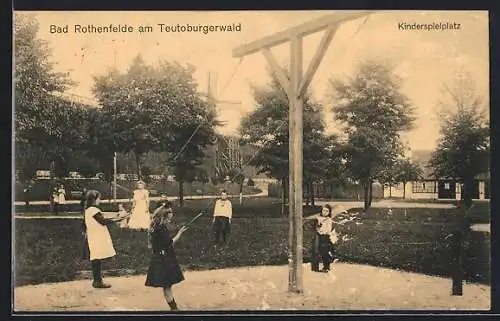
{"x": 316, "y": 60}
{"x": 277, "y": 70}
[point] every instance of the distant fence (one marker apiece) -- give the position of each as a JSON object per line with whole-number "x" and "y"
{"x": 41, "y": 190}
{"x": 331, "y": 191}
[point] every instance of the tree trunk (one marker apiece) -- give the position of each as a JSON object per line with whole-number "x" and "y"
{"x": 467, "y": 196}
{"x": 312, "y": 194}
{"x": 404, "y": 190}
{"x": 283, "y": 197}
{"x": 390, "y": 190}
{"x": 308, "y": 193}
{"x": 181, "y": 193}
{"x": 366, "y": 197}
{"x": 371, "y": 192}
{"x": 241, "y": 192}
{"x": 52, "y": 169}
{"x": 138, "y": 165}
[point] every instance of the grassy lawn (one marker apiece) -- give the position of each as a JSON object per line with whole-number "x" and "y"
{"x": 49, "y": 250}
{"x": 251, "y": 204}
{"x": 413, "y": 240}
{"x": 479, "y": 213}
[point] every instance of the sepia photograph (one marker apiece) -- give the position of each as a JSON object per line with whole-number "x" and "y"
{"x": 171, "y": 161}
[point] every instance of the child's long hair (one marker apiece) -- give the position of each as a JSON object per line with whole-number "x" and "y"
{"x": 91, "y": 198}
{"x": 329, "y": 207}
{"x": 159, "y": 219}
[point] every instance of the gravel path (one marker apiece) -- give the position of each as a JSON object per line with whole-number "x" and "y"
{"x": 386, "y": 204}
{"x": 348, "y": 286}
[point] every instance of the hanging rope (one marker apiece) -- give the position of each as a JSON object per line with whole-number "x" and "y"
{"x": 232, "y": 75}
{"x": 187, "y": 142}
{"x": 203, "y": 120}
{"x": 276, "y": 131}
{"x": 342, "y": 51}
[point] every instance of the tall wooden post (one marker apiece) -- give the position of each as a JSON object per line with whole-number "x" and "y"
{"x": 296, "y": 86}
{"x": 115, "y": 174}
{"x": 295, "y": 157}
{"x": 457, "y": 259}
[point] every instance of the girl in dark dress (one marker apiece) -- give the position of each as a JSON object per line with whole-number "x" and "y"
{"x": 164, "y": 270}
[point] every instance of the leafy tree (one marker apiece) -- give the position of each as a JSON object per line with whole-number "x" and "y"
{"x": 407, "y": 171}
{"x": 403, "y": 171}
{"x": 99, "y": 142}
{"x": 44, "y": 121}
{"x": 375, "y": 112}
{"x": 266, "y": 128}
{"x": 86, "y": 166}
{"x": 387, "y": 178}
{"x": 29, "y": 158}
{"x": 146, "y": 172}
{"x": 321, "y": 160}
{"x": 156, "y": 109}
{"x": 132, "y": 111}
{"x": 193, "y": 122}
{"x": 463, "y": 148}
{"x": 35, "y": 79}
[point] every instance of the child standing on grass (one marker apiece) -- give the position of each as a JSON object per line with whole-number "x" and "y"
{"x": 54, "y": 200}
{"x": 61, "y": 196}
{"x": 99, "y": 240}
{"x": 140, "y": 218}
{"x": 223, "y": 213}
{"x": 164, "y": 270}
{"x": 324, "y": 230}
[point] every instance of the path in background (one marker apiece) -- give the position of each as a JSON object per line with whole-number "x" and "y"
{"x": 263, "y": 193}
{"x": 342, "y": 204}
{"x": 384, "y": 203}
{"x": 395, "y": 204}
{"x": 347, "y": 286}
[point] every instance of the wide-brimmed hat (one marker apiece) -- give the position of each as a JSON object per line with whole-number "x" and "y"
{"x": 140, "y": 183}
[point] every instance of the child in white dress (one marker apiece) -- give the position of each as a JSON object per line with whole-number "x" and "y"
{"x": 140, "y": 218}
{"x": 99, "y": 241}
{"x": 61, "y": 194}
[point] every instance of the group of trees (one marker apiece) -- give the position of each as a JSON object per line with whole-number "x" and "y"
{"x": 463, "y": 150}
{"x": 47, "y": 127}
{"x": 159, "y": 109}
{"x": 374, "y": 113}
{"x": 155, "y": 109}
{"x": 147, "y": 108}
{"x": 267, "y": 128}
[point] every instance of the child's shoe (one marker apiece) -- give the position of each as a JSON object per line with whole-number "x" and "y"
{"x": 100, "y": 285}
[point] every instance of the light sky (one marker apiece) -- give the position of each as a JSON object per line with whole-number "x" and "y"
{"x": 426, "y": 59}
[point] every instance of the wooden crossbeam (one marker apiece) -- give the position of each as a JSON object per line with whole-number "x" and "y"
{"x": 295, "y": 87}
{"x": 300, "y": 30}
